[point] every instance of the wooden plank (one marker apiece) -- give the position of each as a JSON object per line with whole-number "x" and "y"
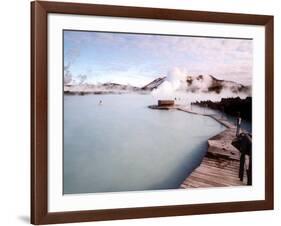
{"x": 217, "y": 173}
{"x": 220, "y": 166}
{"x": 198, "y": 184}
{"x": 208, "y": 180}
{"x": 219, "y": 170}
{"x": 218, "y": 178}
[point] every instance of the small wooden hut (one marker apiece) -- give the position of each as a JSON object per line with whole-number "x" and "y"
{"x": 166, "y": 102}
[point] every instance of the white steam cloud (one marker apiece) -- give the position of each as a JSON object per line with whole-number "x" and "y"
{"x": 176, "y": 87}
{"x": 174, "y": 82}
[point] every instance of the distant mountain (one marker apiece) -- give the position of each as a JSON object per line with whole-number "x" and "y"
{"x": 102, "y": 88}
{"x": 117, "y": 86}
{"x": 154, "y": 84}
{"x": 208, "y": 83}
{"x": 194, "y": 84}
{"x": 203, "y": 83}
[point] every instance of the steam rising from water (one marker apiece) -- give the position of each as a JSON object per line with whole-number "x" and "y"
{"x": 172, "y": 84}
{"x": 176, "y": 87}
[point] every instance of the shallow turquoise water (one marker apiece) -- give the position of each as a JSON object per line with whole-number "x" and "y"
{"x": 122, "y": 145}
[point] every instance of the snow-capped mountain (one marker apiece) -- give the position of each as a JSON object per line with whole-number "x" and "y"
{"x": 190, "y": 84}
{"x": 108, "y": 87}
{"x": 209, "y": 83}
{"x": 154, "y": 84}
{"x": 202, "y": 83}
{"x": 117, "y": 86}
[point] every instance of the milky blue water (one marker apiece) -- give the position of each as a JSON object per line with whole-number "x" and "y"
{"x": 122, "y": 145}
{"x": 245, "y": 125}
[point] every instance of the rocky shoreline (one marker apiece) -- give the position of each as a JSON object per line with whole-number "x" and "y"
{"x": 231, "y": 106}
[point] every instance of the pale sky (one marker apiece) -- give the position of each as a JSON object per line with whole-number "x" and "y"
{"x": 137, "y": 59}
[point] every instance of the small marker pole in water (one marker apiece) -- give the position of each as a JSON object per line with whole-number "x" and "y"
{"x": 206, "y": 105}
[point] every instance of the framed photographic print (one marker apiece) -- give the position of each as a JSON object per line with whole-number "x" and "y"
{"x": 147, "y": 112}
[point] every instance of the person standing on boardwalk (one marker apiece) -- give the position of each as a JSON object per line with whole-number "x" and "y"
{"x": 243, "y": 143}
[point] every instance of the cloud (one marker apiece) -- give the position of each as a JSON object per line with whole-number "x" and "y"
{"x": 229, "y": 59}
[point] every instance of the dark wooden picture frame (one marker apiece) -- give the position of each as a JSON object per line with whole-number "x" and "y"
{"x": 39, "y": 112}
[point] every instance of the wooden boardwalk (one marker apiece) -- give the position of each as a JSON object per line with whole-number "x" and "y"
{"x": 220, "y": 166}
{"x": 214, "y": 173}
